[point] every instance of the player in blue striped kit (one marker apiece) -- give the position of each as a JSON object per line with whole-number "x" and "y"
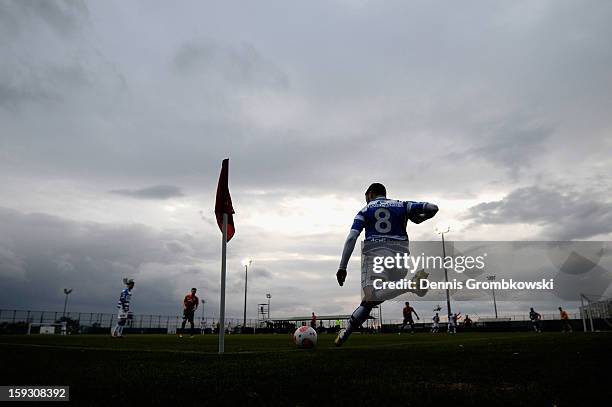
{"x": 124, "y": 309}
{"x": 384, "y": 220}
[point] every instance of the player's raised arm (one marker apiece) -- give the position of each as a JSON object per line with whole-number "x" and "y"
{"x": 349, "y": 246}
{"x": 420, "y": 211}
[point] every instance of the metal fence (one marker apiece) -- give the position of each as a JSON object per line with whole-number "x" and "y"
{"x": 171, "y": 322}
{"x": 476, "y": 318}
{"x": 106, "y": 320}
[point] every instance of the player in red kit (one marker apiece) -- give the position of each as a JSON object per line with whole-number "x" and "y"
{"x": 408, "y": 311}
{"x": 190, "y": 305}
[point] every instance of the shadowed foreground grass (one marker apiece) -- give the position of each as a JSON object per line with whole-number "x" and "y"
{"x": 409, "y": 370}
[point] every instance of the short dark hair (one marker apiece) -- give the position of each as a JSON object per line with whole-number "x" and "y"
{"x": 194, "y": 289}
{"x": 377, "y": 189}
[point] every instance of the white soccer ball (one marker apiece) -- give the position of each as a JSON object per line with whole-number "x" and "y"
{"x": 305, "y": 337}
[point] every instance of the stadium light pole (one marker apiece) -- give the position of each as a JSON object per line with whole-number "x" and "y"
{"x": 441, "y": 231}
{"x": 67, "y": 291}
{"x": 268, "y": 296}
{"x": 203, "y": 314}
{"x": 492, "y": 278}
{"x": 246, "y": 263}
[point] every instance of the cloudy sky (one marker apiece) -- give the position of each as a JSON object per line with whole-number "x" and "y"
{"x": 115, "y": 117}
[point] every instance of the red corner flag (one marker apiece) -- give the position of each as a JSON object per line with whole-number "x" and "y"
{"x": 223, "y": 204}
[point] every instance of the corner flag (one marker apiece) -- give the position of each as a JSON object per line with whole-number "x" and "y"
{"x": 225, "y": 220}
{"x": 223, "y": 203}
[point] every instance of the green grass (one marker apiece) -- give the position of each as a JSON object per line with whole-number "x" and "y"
{"x": 409, "y": 370}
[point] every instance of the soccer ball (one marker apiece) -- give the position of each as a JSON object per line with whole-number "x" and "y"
{"x": 305, "y": 337}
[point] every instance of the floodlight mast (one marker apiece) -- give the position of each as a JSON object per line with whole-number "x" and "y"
{"x": 441, "y": 230}
{"x": 492, "y": 278}
{"x": 203, "y": 318}
{"x": 67, "y": 291}
{"x": 246, "y": 263}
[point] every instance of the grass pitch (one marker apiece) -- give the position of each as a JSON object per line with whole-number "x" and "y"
{"x": 409, "y": 370}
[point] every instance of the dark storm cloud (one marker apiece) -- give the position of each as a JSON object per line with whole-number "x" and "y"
{"x": 13, "y": 95}
{"x": 563, "y": 214}
{"x": 362, "y": 85}
{"x": 236, "y": 64}
{"x": 63, "y": 17}
{"x": 47, "y": 86}
{"x": 41, "y": 254}
{"x": 152, "y": 192}
{"x": 510, "y": 143}
{"x": 49, "y": 58}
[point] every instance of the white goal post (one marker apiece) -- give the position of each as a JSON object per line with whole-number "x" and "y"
{"x": 63, "y": 326}
{"x": 600, "y": 309}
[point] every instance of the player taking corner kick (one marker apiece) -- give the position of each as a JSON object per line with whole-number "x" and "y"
{"x": 383, "y": 219}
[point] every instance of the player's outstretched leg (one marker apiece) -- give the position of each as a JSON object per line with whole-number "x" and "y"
{"x": 182, "y": 328}
{"x": 357, "y": 318}
{"x": 117, "y": 331}
{"x": 120, "y": 326}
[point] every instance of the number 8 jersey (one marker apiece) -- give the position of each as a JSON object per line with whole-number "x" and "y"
{"x": 386, "y": 219}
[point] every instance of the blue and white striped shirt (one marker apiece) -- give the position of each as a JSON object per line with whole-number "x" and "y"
{"x": 386, "y": 219}
{"x": 124, "y": 299}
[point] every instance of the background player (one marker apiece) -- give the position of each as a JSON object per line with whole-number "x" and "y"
{"x": 408, "y": 311}
{"x": 436, "y": 323}
{"x": 467, "y": 322}
{"x": 535, "y": 320}
{"x": 453, "y": 319}
{"x": 190, "y": 305}
{"x": 567, "y": 327}
{"x": 383, "y": 220}
{"x": 124, "y": 308}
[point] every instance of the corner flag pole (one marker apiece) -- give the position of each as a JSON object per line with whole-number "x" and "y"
{"x": 223, "y": 212}
{"x": 223, "y": 273}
